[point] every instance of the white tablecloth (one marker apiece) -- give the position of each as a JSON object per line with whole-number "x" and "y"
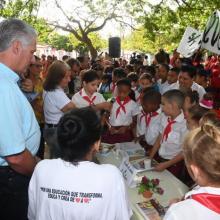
{"x": 173, "y": 188}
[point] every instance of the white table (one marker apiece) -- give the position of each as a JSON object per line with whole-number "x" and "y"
{"x": 173, "y": 188}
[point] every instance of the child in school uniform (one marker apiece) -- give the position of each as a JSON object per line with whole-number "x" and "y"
{"x": 162, "y": 82}
{"x": 167, "y": 148}
{"x": 123, "y": 116}
{"x": 148, "y": 122}
{"x": 133, "y": 77}
{"x": 145, "y": 81}
{"x": 117, "y": 74}
{"x": 201, "y": 150}
{"x": 195, "y": 113}
{"x": 194, "y": 116}
{"x": 88, "y": 95}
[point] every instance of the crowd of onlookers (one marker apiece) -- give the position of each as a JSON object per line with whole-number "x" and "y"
{"x": 198, "y": 79}
{"x": 170, "y": 107}
{"x": 155, "y": 104}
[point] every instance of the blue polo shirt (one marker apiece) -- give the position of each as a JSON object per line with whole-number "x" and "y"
{"x": 18, "y": 126}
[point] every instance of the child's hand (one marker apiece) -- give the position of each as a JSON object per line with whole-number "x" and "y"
{"x": 137, "y": 139}
{"x": 151, "y": 154}
{"x": 113, "y": 130}
{"x": 160, "y": 167}
{"x": 106, "y": 106}
{"x": 122, "y": 130}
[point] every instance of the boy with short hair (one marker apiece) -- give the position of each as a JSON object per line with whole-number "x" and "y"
{"x": 117, "y": 74}
{"x": 173, "y": 130}
{"x": 162, "y": 82}
{"x": 148, "y": 122}
{"x": 172, "y": 79}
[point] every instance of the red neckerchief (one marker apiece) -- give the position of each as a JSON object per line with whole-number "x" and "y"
{"x": 148, "y": 117}
{"x": 122, "y": 105}
{"x": 167, "y": 129}
{"x": 210, "y": 201}
{"x": 90, "y": 101}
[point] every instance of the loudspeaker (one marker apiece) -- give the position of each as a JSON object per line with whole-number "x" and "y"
{"x": 114, "y": 44}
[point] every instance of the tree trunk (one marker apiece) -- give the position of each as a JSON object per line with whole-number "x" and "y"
{"x": 92, "y": 50}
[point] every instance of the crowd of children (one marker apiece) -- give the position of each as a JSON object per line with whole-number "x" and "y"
{"x": 156, "y": 105}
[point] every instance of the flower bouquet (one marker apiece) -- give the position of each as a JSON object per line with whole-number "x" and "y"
{"x": 149, "y": 186}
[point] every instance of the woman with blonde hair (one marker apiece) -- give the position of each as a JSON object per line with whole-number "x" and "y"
{"x": 201, "y": 151}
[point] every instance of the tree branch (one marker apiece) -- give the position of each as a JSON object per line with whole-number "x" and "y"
{"x": 127, "y": 24}
{"x": 183, "y": 1}
{"x": 65, "y": 14}
{"x": 68, "y": 28}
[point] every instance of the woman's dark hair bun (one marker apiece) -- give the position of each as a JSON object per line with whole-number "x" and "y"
{"x": 72, "y": 127}
{"x": 77, "y": 131}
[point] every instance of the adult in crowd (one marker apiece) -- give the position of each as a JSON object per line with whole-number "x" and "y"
{"x": 75, "y": 83}
{"x": 84, "y": 62}
{"x": 186, "y": 80}
{"x": 33, "y": 74}
{"x": 56, "y": 102}
{"x": 20, "y": 133}
{"x": 27, "y": 86}
{"x": 46, "y": 66}
{"x": 89, "y": 190}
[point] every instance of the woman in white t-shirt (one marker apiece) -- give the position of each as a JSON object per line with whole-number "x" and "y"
{"x": 72, "y": 187}
{"x": 55, "y": 101}
{"x": 201, "y": 151}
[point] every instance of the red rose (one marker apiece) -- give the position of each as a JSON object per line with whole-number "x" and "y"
{"x": 145, "y": 180}
{"x": 155, "y": 182}
{"x": 160, "y": 191}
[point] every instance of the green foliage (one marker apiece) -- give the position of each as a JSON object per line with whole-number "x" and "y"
{"x": 166, "y": 22}
{"x": 82, "y": 48}
{"x": 43, "y": 29}
{"x": 136, "y": 41}
{"x": 59, "y": 41}
{"x": 19, "y": 9}
{"x": 26, "y": 10}
{"x": 69, "y": 42}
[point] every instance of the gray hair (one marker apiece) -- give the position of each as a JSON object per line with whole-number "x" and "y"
{"x": 14, "y": 29}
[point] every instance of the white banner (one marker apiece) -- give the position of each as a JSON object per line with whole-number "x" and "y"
{"x": 190, "y": 42}
{"x": 211, "y": 35}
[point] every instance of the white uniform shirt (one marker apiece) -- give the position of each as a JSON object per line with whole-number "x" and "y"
{"x": 141, "y": 123}
{"x": 123, "y": 119}
{"x": 80, "y": 102}
{"x": 162, "y": 86}
{"x": 201, "y": 91}
{"x": 172, "y": 146}
{"x": 142, "y": 126}
{"x": 54, "y": 101}
{"x": 171, "y": 86}
{"x": 136, "y": 92}
{"x": 59, "y": 190}
{"x": 114, "y": 89}
{"x": 190, "y": 209}
{"x": 153, "y": 130}
{"x": 138, "y": 97}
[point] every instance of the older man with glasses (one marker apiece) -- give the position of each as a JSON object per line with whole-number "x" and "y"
{"x": 19, "y": 132}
